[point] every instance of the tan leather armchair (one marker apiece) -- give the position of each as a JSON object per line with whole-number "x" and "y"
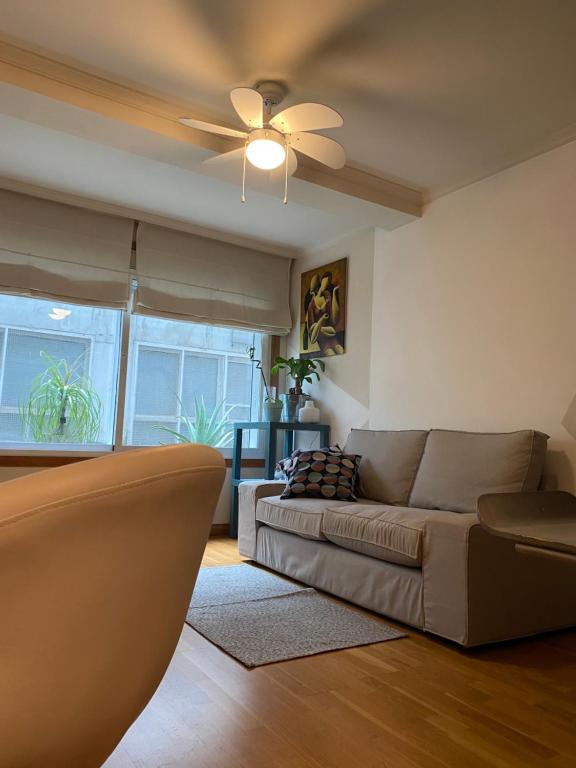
{"x": 97, "y": 565}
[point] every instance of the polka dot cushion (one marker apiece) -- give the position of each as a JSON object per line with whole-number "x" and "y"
{"x": 325, "y": 473}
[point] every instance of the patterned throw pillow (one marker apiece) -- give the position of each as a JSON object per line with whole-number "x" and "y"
{"x": 325, "y": 473}
{"x": 282, "y": 466}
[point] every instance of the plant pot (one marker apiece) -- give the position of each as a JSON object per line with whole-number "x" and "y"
{"x": 272, "y": 410}
{"x": 292, "y": 404}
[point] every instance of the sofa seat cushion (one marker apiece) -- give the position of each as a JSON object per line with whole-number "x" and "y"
{"x": 300, "y": 516}
{"x": 386, "y": 532}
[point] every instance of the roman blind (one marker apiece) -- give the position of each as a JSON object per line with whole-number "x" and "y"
{"x": 56, "y": 251}
{"x": 189, "y": 277}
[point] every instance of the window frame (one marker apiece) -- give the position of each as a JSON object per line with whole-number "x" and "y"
{"x": 120, "y": 404}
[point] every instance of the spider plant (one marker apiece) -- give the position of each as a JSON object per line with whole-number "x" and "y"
{"x": 207, "y": 429}
{"x": 62, "y": 406}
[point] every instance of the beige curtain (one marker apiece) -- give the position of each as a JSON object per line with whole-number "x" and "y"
{"x": 56, "y": 251}
{"x": 188, "y": 277}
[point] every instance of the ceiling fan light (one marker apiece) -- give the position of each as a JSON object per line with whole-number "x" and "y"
{"x": 266, "y": 149}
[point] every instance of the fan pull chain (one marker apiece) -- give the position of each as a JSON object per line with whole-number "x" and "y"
{"x": 243, "y": 198}
{"x": 286, "y": 176}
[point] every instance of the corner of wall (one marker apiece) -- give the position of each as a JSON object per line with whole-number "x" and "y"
{"x": 343, "y": 394}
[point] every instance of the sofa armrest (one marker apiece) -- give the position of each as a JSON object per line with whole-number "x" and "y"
{"x": 477, "y": 588}
{"x": 445, "y": 574}
{"x": 249, "y": 494}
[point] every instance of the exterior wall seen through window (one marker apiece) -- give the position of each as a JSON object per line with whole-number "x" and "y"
{"x": 59, "y": 375}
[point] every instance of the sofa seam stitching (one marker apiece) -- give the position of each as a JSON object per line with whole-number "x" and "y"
{"x": 375, "y": 544}
{"x": 421, "y": 457}
{"x": 271, "y": 524}
{"x": 102, "y": 494}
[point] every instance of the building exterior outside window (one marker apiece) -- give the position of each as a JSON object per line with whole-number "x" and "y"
{"x": 174, "y": 365}
{"x": 171, "y": 366}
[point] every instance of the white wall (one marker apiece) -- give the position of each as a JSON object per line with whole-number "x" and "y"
{"x": 464, "y": 319}
{"x": 344, "y": 394}
{"x": 474, "y": 319}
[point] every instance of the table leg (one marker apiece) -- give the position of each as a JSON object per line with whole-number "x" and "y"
{"x": 270, "y": 458}
{"x": 236, "y": 475}
{"x": 288, "y": 442}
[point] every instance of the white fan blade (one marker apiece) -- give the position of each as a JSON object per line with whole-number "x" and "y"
{"x": 292, "y": 161}
{"x": 249, "y": 105}
{"x": 211, "y": 128}
{"x": 321, "y": 148}
{"x": 278, "y": 173}
{"x": 306, "y": 117}
{"x": 225, "y": 157}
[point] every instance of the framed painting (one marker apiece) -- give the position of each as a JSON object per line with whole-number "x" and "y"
{"x": 323, "y": 310}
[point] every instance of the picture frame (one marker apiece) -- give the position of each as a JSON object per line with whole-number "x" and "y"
{"x": 323, "y": 300}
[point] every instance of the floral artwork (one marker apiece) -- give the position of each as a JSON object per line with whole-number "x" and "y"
{"x": 323, "y": 310}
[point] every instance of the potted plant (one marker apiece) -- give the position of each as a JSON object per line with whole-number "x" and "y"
{"x": 272, "y": 406}
{"x": 62, "y": 406}
{"x": 205, "y": 428}
{"x": 300, "y": 369}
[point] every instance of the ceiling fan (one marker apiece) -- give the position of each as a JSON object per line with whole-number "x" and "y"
{"x": 270, "y": 140}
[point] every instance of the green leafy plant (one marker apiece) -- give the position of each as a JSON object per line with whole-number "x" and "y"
{"x": 252, "y": 355}
{"x": 300, "y": 369}
{"x": 62, "y": 406}
{"x": 207, "y": 429}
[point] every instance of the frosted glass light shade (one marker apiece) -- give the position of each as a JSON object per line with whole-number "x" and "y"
{"x": 266, "y": 149}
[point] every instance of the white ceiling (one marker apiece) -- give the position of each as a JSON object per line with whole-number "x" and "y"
{"x": 50, "y": 144}
{"x": 434, "y": 93}
{"x": 82, "y": 168}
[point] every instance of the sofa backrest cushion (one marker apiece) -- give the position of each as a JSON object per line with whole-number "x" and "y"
{"x": 389, "y": 462}
{"x": 458, "y": 467}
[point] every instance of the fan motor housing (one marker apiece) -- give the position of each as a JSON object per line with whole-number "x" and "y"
{"x": 266, "y": 134}
{"x": 272, "y": 92}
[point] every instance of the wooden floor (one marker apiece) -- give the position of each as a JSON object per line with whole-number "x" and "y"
{"x": 415, "y": 703}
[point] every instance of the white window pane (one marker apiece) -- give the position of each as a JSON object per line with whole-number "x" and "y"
{"x": 24, "y": 360}
{"x": 239, "y": 383}
{"x": 241, "y": 340}
{"x": 11, "y": 428}
{"x": 48, "y": 350}
{"x": 157, "y": 383}
{"x": 200, "y": 382}
{"x": 239, "y": 413}
{"x": 149, "y": 433}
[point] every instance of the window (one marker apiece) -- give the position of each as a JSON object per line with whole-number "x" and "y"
{"x": 177, "y": 375}
{"x": 176, "y": 368}
{"x": 43, "y": 347}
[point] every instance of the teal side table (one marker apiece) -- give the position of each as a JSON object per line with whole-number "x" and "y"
{"x": 271, "y": 429}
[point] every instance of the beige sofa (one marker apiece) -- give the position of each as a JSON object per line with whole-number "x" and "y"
{"x": 412, "y": 547}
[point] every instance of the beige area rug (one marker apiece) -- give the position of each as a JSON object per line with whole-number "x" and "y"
{"x": 260, "y": 618}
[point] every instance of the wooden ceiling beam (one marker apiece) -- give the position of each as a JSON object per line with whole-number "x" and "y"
{"x": 70, "y": 84}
